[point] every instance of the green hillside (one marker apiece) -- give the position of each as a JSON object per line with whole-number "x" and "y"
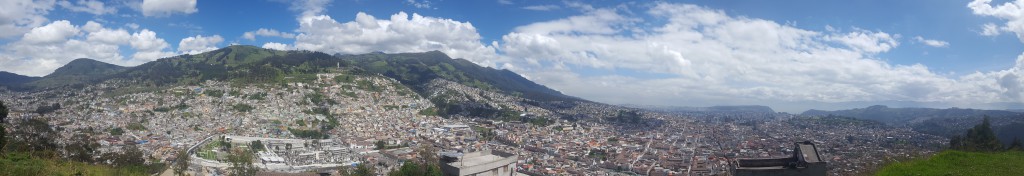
{"x": 952, "y": 162}
{"x": 417, "y": 69}
{"x": 24, "y": 164}
{"x": 78, "y": 71}
{"x": 237, "y": 64}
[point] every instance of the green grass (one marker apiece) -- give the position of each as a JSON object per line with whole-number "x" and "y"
{"x": 206, "y": 152}
{"x": 953, "y": 162}
{"x": 24, "y": 164}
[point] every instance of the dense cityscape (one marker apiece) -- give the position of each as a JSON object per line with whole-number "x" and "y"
{"x": 347, "y": 115}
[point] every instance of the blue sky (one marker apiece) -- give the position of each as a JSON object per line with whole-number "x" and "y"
{"x": 793, "y": 54}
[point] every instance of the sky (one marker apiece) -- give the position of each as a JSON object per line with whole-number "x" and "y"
{"x": 790, "y": 55}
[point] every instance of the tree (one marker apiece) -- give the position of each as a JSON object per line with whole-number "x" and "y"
{"x": 81, "y": 148}
{"x": 3, "y": 138}
{"x": 956, "y": 142}
{"x": 3, "y": 112}
{"x": 3, "y": 131}
{"x": 985, "y": 139}
{"x": 34, "y": 136}
{"x": 380, "y": 144}
{"x": 1016, "y": 144}
{"x": 408, "y": 168}
{"x": 979, "y": 138}
{"x": 256, "y": 145}
{"x": 427, "y": 165}
{"x": 344, "y": 171}
{"x": 241, "y": 163}
{"x": 363, "y": 170}
{"x": 130, "y": 156}
{"x": 181, "y": 165}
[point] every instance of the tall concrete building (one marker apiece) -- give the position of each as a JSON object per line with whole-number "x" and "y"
{"x": 804, "y": 162}
{"x": 482, "y": 163}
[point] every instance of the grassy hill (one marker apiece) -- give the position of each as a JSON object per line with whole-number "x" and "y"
{"x": 24, "y": 164}
{"x": 953, "y": 162}
{"x": 78, "y": 71}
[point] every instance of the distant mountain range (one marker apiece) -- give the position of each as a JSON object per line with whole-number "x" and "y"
{"x": 242, "y": 64}
{"x": 902, "y": 116}
{"x": 745, "y": 108}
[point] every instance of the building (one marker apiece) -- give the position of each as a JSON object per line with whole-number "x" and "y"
{"x": 482, "y": 163}
{"x": 804, "y": 162}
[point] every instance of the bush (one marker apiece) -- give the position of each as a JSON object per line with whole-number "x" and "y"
{"x": 242, "y": 107}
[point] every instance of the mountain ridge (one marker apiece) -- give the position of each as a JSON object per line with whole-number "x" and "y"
{"x": 244, "y": 65}
{"x": 902, "y": 116}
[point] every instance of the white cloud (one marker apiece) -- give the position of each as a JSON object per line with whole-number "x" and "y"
{"x": 400, "y": 33}
{"x": 424, "y": 4}
{"x": 863, "y": 40}
{"x": 701, "y": 56}
{"x": 58, "y": 31}
{"x": 505, "y": 2}
{"x": 1012, "y": 12}
{"x": 309, "y": 8}
{"x": 109, "y": 36}
{"x": 199, "y": 44}
{"x": 603, "y": 21}
{"x": 88, "y": 6}
{"x": 163, "y": 8}
{"x": 277, "y": 46}
{"x": 52, "y": 45}
{"x": 671, "y": 54}
{"x": 989, "y": 29}
{"x": 251, "y": 35}
{"x": 19, "y": 16}
{"x": 148, "y": 47}
{"x": 132, "y": 25}
{"x": 932, "y": 43}
{"x": 542, "y": 7}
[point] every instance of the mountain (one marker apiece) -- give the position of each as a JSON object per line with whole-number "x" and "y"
{"x": 458, "y": 86}
{"x": 12, "y": 79}
{"x": 236, "y": 64}
{"x": 418, "y": 69}
{"x": 77, "y": 72}
{"x": 432, "y": 75}
{"x": 902, "y": 116}
{"x": 746, "y": 109}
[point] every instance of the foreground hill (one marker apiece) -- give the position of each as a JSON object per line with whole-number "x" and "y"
{"x": 16, "y": 163}
{"x": 953, "y": 162}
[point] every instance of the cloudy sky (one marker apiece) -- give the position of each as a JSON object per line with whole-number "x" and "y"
{"x": 792, "y": 55}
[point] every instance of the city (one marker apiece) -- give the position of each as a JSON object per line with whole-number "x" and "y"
{"x": 199, "y": 118}
{"x": 511, "y": 87}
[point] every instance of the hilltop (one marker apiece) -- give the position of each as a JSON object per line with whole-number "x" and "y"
{"x": 952, "y": 162}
